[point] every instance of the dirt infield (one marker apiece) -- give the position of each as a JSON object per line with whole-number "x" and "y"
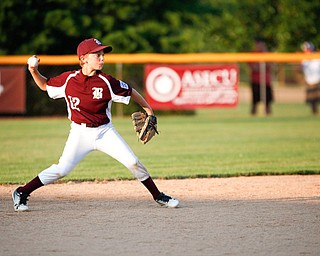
{"x": 274, "y": 215}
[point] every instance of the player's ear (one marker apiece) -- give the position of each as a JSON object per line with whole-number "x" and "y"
{"x": 83, "y": 60}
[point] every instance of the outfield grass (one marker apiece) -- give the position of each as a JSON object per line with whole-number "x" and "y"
{"x": 213, "y": 143}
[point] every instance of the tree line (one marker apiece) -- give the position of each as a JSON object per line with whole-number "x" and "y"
{"x": 160, "y": 26}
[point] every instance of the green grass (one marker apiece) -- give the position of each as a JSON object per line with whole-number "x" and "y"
{"x": 213, "y": 143}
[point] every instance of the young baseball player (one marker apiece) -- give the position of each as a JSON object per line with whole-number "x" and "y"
{"x": 89, "y": 93}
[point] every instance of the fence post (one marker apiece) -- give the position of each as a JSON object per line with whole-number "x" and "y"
{"x": 119, "y": 74}
{"x": 263, "y": 97}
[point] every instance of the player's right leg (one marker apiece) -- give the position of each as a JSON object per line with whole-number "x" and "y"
{"x": 20, "y": 200}
{"x": 77, "y": 147}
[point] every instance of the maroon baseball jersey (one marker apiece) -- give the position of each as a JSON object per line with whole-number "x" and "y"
{"x": 88, "y": 98}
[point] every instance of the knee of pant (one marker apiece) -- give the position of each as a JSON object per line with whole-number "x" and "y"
{"x": 139, "y": 171}
{"x": 55, "y": 172}
{"x": 130, "y": 162}
{"x": 64, "y": 169}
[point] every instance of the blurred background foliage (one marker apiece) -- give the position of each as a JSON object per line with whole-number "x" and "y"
{"x": 160, "y": 26}
{"x": 55, "y": 27}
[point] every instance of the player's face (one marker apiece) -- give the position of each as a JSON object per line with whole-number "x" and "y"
{"x": 96, "y": 60}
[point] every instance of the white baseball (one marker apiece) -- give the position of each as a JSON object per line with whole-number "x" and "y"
{"x": 33, "y": 61}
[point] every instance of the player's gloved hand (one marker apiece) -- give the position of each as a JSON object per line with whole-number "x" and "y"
{"x": 145, "y": 126}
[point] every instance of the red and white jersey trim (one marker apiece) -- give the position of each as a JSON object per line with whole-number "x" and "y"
{"x": 89, "y": 98}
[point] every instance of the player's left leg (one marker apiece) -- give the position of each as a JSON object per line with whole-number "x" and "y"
{"x": 114, "y": 145}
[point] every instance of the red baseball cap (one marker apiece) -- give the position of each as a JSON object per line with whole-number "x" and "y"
{"x": 90, "y": 46}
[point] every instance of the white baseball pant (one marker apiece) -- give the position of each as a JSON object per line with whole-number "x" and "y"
{"x": 82, "y": 140}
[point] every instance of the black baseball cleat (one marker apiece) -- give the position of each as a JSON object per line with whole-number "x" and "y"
{"x": 168, "y": 201}
{"x": 20, "y": 201}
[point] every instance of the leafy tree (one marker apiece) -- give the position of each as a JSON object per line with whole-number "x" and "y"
{"x": 299, "y": 21}
{"x": 175, "y": 26}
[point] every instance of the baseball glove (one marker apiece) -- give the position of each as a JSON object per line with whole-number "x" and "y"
{"x": 145, "y": 126}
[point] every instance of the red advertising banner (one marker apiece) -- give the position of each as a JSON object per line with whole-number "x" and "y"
{"x": 12, "y": 90}
{"x": 191, "y": 86}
